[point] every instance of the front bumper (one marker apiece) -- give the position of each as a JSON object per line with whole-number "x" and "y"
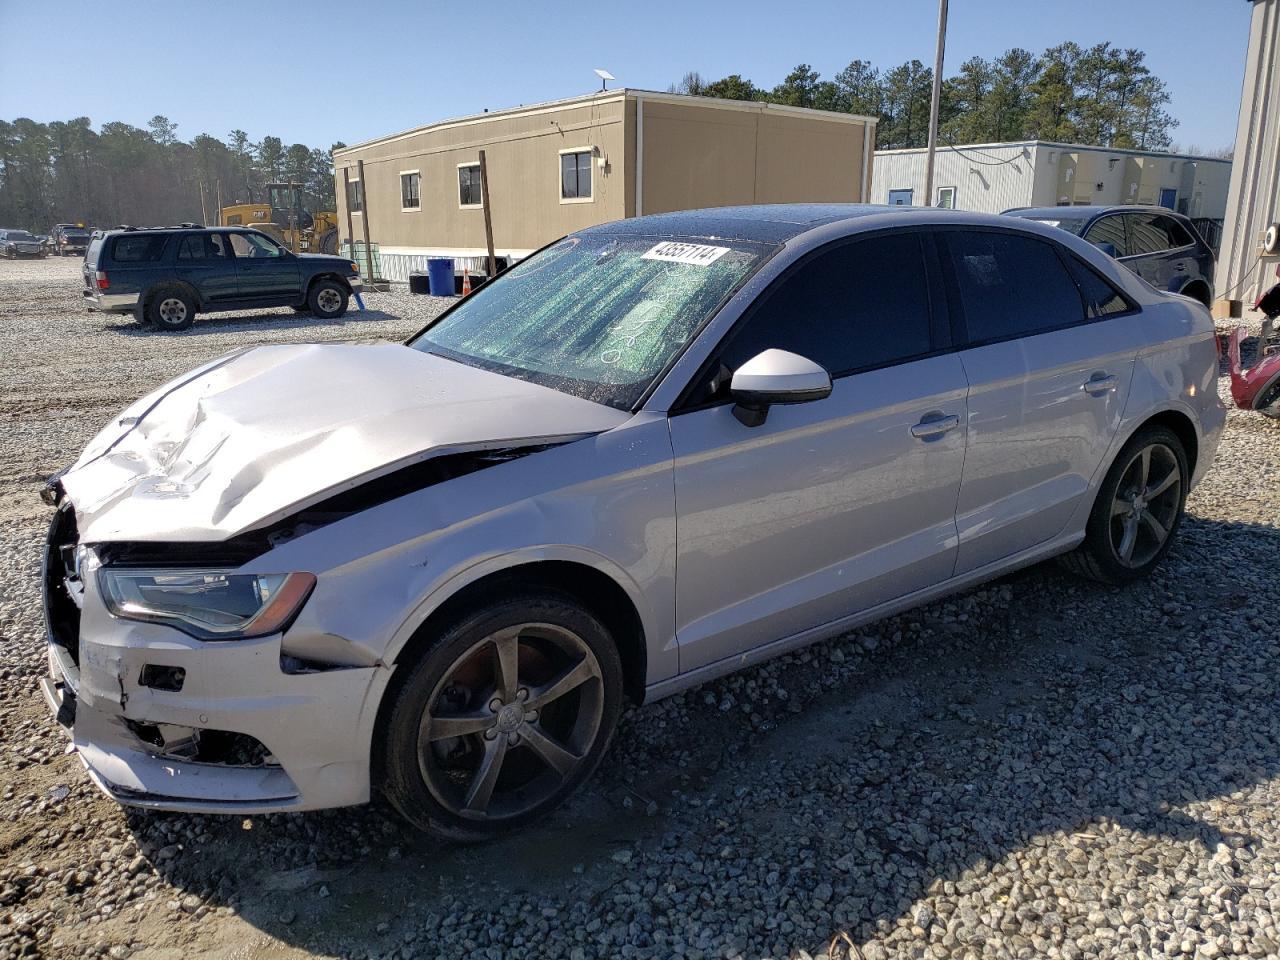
{"x": 141, "y": 744}
{"x": 355, "y": 283}
{"x": 110, "y": 302}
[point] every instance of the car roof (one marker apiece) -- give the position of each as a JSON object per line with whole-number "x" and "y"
{"x": 780, "y": 222}
{"x": 1085, "y": 213}
{"x": 177, "y": 228}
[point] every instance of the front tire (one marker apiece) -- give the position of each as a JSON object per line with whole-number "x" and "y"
{"x": 1138, "y": 510}
{"x": 327, "y": 300}
{"x": 506, "y": 713}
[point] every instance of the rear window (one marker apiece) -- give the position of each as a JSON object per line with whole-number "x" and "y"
{"x": 142, "y": 248}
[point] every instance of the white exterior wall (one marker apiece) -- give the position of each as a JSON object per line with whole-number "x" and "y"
{"x": 987, "y": 180}
{"x": 994, "y": 178}
{"x": 1255, "y": 182}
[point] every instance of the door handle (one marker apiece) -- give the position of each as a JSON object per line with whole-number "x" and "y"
{"x": 1099, "y": 384}
{"x": 935, "y": 427}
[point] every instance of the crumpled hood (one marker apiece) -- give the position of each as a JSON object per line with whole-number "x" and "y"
{"x": 253, "y": 436}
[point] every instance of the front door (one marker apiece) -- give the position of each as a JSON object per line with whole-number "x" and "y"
{"x": 265, "y": 270}
{"x": 204, "y": 260}
{"x": 1049, "y": 366}
{"x": 833, "y": 506}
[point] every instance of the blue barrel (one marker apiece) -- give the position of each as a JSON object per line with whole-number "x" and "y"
{"x": 440, "y": 276}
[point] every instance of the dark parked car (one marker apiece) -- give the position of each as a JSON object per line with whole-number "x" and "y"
{"x": 166, "y": 275}
{"x": 69, "y": 238}
{"x": 20, "y": 243}
{"x": 1162, "y": 247}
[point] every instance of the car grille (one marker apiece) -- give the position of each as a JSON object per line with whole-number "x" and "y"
{"x": 63, "y": 591}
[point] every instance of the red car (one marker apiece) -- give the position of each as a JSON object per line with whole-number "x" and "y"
{"x": 1258, "y": 388}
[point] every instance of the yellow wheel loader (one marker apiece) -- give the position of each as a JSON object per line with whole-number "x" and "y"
{"x": 285, "y": 217}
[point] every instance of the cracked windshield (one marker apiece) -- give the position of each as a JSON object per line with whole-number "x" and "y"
{"x": 599, "y": 316}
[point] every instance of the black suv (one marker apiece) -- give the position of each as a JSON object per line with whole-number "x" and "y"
{"x": 1162, "y": 247}
{"x": 166, "y": 275}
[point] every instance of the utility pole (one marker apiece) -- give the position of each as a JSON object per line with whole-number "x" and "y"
{"x": 935, "y": 103}
{"x": 364, "y": 217}
{"x": 488, "y": 219}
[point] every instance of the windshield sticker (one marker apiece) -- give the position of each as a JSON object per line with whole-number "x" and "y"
{"x": 695, "y": 253}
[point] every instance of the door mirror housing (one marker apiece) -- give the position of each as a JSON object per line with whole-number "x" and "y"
{"x": 1108, "y": 248}
{"x": 775, "y": 376}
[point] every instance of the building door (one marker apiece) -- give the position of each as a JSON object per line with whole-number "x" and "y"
{"x": 1169, "y": 198}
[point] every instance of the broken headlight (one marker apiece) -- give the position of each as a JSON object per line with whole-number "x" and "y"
{"x": 208, "y": 604}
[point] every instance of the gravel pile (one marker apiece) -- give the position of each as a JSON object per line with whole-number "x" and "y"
{"x": 1036, "y": 768}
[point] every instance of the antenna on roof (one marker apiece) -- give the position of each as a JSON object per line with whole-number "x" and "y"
{"x": 605, "y": 76}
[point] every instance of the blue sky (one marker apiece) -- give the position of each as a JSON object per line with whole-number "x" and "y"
{"x": 214, "y": 66}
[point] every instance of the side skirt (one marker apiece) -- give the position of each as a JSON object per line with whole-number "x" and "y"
{"x": 1051, "y": 548}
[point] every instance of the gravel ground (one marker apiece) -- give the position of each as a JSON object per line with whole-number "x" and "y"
{"x": 1037, "y": 768}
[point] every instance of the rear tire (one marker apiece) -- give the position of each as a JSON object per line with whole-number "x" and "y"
{"x": 327, "y": 299}
{"x": 171, "y": 308}
{"x": 501, "y": 718}
{"x": 1137, "y": 512}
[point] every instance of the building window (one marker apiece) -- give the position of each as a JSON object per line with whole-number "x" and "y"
{"x": 575, "y": 175}
{"x": 900, "y": 198}
{"x": 947, "y": 198}
{"x": 410, "y": 181}
{"x": 355, "y": 196}
{"x": 469, "y": 193}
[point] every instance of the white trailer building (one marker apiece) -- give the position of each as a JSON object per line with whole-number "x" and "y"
{"x": 992, "y": 177}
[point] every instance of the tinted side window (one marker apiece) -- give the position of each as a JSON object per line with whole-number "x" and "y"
{"x": 1109, "y": 230}
{"x": 146, "y": 248}
{"x": 854, "y": 306}
{"x": 202, "y": 246}
{"x": 1101, "y": 299}
{"x": 1148, "y": 233}
{"x": 1011, "y": 286}
{"x": 1178, "y": 234}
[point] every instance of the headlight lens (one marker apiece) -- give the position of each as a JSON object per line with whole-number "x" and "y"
{"x": 208, "y": 604}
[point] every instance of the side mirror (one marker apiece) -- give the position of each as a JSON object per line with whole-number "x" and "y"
{"x": 1108, "y": 248}
{"x": 775, "y": 376}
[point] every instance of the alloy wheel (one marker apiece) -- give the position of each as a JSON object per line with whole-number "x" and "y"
{"x": 511, "y": 719}
{"x": 1146, "y": 505}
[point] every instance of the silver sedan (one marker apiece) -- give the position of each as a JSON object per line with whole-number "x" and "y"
{"x": 653, "y": 453}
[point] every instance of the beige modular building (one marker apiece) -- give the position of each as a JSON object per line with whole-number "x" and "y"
{"x": 558, "y": 167}
{"x": 993, "y": 177}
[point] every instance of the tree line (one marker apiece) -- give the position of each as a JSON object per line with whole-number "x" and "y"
{"x": 66, "y": 172}
{"x": 1099, "y": 96}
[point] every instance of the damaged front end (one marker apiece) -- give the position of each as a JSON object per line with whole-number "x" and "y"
{"x": 179, "y": 707}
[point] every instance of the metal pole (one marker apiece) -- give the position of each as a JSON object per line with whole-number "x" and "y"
{"x": 220, "y": 203}
{"x": 488, "y": 220}
{"x": 936, "y": 102}
{"x": 204, "y": 207}
{"x": 364, "y": 217}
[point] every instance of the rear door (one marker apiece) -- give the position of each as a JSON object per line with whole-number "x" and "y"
{"x": 204, "y": 260}
{"x": 833, "y": 506}
{"x": 1049, "y": 366}
{"x": 265, "y": 271}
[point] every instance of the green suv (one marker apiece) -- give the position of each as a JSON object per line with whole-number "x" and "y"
{"x": 166, "y": 275}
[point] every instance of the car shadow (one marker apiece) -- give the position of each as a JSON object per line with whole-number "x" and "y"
{"x": 264, "y": 321}
{"x": 846, "y": 781}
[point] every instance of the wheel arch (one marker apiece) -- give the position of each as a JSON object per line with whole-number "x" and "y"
{"x": 182, "y": 285}
{"x": 1198, "y": 289}
{"x": 603, "y": 595}
{"x": 336, "y": 278}
{"x": 1183, "y": 428}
